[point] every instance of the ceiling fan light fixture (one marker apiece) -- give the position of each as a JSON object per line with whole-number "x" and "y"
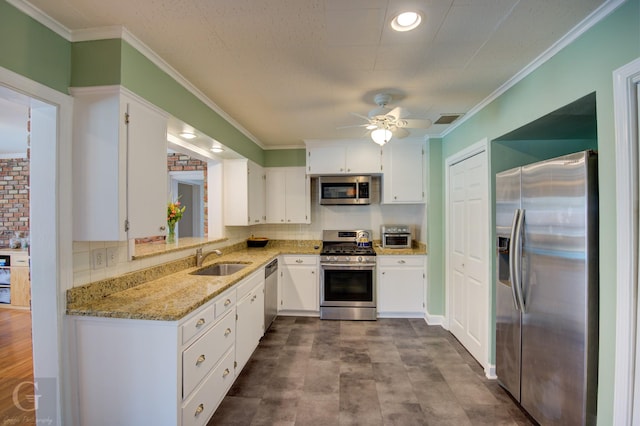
{"x": 406, "y": 21}
{"x": 381, "y": 136}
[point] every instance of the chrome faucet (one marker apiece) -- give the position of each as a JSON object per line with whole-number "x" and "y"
{"x": 201, "y": 257}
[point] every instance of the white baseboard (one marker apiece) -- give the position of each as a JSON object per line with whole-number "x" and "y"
{"x": 490, "y": 371}
{"x": 434, "y": 319}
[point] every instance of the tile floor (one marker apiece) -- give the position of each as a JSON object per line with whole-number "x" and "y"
{"x": 387, "y": 372}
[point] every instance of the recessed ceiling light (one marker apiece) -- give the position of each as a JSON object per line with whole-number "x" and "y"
{"x": 406, "y": 21}
{"x": 187, "y": 135}
{"x": 216, "y": 149}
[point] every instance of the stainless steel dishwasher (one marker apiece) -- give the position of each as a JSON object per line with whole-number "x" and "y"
{"x": 270, "y": 293}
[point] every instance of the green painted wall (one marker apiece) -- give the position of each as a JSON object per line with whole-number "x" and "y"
{"x": 581, "y": 68}
{"x": 285, "y": 157}
{"x": 96, "y": 63}
{"x": 30, "y": 49}
{"x": 435, "y": 230}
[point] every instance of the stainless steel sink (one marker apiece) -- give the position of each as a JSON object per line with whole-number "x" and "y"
{"x": 220, "y": 269}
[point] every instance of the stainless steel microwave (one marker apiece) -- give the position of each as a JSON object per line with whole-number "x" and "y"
{"x": 335, "y": 190}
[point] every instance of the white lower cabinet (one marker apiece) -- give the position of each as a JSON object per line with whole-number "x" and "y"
{"x": 401, "y": 286}
{"x": 250, "y": 318}
{"x": 143, "y": 372}
{"x": 299, "y": 291}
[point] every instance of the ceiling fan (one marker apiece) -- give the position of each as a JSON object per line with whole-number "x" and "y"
{"x": 384, "y": 122}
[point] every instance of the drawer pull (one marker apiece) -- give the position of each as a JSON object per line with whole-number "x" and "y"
{"x": 226, "y": 372}
{"x": 227, "y": 302}
{"x": 299, "y": 260}
{"x": 227, "y": 332}
{"x": 401, "y": 261}
{"x": 200, "y": 359}
{"x": 200, "y": 322}
{"x": 199, "y": 410}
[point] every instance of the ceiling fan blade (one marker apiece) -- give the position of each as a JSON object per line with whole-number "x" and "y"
{"x": 400, "y": 133}
{"x": 352, "y": 126}
{"x": 360, "y": 116}
{"x": 397, "y": 112}
{"x": 414, "y": 123}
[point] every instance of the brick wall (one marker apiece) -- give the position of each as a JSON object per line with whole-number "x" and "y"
{"x": 14, "y": 197}
{"x": 181, "y": 162}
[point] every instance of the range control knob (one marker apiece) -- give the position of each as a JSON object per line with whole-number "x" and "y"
{"x": 347, "y": 259}
{"x": 360, "y": 259}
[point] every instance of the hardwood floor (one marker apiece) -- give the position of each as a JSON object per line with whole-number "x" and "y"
{"x": 16, "y": 368}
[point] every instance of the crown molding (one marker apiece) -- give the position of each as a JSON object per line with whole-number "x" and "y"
{"x": 596, "y": 16}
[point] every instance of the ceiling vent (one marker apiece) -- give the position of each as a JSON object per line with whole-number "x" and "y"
{"x": 447, "y": 118}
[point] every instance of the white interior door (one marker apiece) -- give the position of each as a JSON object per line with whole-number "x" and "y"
{"x": 468, "y": 233}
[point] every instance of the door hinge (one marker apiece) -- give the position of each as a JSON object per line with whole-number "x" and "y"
{"x": 235, "y": 364}
{"x": 126, "y": 225}
{"x": 236, "y": 317}
{"x": 126, "y": 118}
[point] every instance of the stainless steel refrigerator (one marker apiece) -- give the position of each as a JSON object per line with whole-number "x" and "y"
{"x": 547, "y": 287}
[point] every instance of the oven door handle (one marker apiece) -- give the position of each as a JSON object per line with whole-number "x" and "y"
{"x": 352, "y": 266}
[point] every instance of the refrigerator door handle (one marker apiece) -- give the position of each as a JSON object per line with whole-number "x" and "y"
{"x": 512, "y": 258}
{"x": 517, "y": 266}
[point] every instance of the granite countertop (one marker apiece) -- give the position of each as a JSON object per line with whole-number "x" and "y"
{"x": 169, "y": 292}
{"x": 170, "y": 295}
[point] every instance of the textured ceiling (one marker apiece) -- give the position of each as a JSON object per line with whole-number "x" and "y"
{"x": 289, "y": 70}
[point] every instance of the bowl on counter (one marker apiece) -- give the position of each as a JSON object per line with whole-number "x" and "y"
{"x": 257, "y": 241}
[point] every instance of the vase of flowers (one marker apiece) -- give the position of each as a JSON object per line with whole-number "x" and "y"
{"x": 174, "y": 214}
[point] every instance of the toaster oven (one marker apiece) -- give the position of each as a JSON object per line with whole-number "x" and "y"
{"x": 396, "y": 236}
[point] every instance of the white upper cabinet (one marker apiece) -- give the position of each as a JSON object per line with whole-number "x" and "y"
{"x": 404, "y": 167}
{"x": 244, "y": 193}
{"x": 119, "y": 166}
{"x": 348, "y": 156}
{"x": 287, "y": 195}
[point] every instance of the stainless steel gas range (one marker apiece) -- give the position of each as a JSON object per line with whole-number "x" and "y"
{"x": 347, "y": 276}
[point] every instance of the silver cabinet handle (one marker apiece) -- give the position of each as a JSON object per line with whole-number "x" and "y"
{"x": 226, "y": 372}
{"x": 227, "y": 302}
{"x": 227, "y": 332}
{"x": 401, "y": 261}
{"x": 200, "y": 359}
{"x": 199, "y": 410}
{"x": 299, "y": 260}
{"x": 200, "y": 322}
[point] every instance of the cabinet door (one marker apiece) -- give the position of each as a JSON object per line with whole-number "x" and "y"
{"x": 403, "y": 179}
{"x": 401, "y": 287}
{"x": 363, "y": 157}
{"x": 147, "y": 170}
{"x": 256, "y": 193}
{"x": 299, "y": 288}
{"x": 236, "y": 193}
{"x": 276, "y": 189}
{"x": 249, "y": 325}
{"x": 20, "y": 286}
{"x": 298, "y": 199}
{"x": 326, "y": 159}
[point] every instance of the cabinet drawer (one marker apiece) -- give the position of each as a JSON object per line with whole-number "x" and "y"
{"x": 225, "y": 303}
{"x": 249, "y": 283}
{"x": 199, "y": 408}
{"x": 400, "y": 261}
{"x": 20, "y": 260}
{"x": 198, "y": 324}
{"x": 300, "y": 260}
{"x": 199, "y": 358}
